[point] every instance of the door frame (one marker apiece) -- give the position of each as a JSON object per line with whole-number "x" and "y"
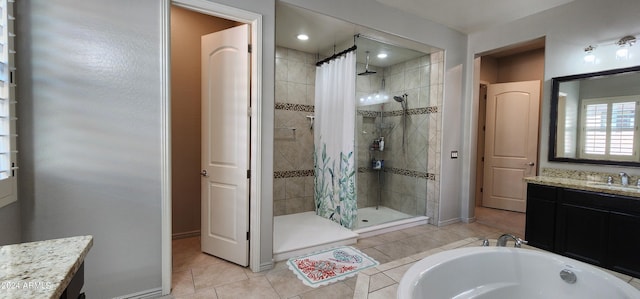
{"x": 239, "y": 15}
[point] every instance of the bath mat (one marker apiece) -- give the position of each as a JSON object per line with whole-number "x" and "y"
{"x": 330, "y": 265}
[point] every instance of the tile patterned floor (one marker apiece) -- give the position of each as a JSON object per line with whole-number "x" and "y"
{"x": 507, "y": 221}
{"x": 198, "y": 275}
{"x": 383, "y": 281}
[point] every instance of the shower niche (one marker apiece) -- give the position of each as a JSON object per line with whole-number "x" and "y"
{"x": 392, "y": 132}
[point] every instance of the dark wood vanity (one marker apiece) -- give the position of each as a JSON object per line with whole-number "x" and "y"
{"x": 594, "y": 227}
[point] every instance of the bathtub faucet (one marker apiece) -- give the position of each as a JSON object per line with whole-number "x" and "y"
{"x": 502, "y": 241}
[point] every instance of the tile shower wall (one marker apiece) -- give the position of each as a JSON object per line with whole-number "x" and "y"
{"x": 408, "y": 181}
{"x": 293, "y": 137}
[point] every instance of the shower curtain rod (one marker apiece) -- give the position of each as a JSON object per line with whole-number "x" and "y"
{"x": 334, "y": 56}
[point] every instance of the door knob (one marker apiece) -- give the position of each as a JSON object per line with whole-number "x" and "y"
{"x": 531, "y": 163}
{"x": 204, "y": 173}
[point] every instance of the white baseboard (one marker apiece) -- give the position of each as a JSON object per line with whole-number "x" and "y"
{"x": 195, "y": 233}
{"x": 148, "y": 294}
{"x": 266, "y": 266}
{"x": 469, "y": 220}
{"x": 450, "y": 221}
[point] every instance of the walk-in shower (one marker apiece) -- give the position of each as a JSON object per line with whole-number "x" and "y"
{"x": 393, "y": 187}
{"x": 391, "y": 138}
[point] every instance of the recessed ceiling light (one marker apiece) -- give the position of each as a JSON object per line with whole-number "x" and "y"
{"x": 382, "y": 55}
{"x": 303, "y": 37}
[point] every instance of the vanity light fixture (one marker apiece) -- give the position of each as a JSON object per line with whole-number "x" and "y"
{"x": 625, "y": 43}
{"x": 589, "y": 57}
{"x": 302, "y": 36}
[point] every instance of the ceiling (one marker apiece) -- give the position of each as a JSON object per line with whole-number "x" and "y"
{"x": 327, "y": 32}
{"x": 467, "y": 16}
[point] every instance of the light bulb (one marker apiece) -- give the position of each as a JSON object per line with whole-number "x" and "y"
{"x": 589, "y": 58}
{"x": 622, "y": 53}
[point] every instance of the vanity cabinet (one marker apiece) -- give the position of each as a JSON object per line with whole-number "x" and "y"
{"x": 581, "y": 232}
{"x": 541, "y": 216}
{"x": 598, "y": 228}
{"x": 623, "y": 255}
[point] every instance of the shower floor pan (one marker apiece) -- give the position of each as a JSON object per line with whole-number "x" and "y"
{"x": 302, "y": 233}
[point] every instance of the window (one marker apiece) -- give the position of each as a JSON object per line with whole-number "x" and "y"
{"x": 609, "y": 128}
{"x": 7, "y": 106}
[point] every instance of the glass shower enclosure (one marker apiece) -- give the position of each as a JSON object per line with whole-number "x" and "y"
{"x": 392, "y": 132}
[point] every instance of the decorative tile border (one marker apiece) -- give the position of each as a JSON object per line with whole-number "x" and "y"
{"x": 293, "y": 173}
{"x": 405, "y": 172}
{"x": 368, "y": 113}
{"x": 413, "y": 111}
{"x": 398, "y": 171}
{"x": 365, "y": 113}
{"x": 295, "y": 107}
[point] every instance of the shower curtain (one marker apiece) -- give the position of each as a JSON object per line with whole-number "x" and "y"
{"x": 334, "y": 140}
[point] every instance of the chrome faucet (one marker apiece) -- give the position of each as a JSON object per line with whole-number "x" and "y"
{"x": 502, "y": 241}
{"x": 624, "y": 179}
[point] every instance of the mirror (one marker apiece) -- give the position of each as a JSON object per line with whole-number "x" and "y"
{"x": 595, "y": 118}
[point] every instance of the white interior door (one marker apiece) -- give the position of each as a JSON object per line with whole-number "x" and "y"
{"x": 225, "y": 144}
{"x": 511, "y": 143}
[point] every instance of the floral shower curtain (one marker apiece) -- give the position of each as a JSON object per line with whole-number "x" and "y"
{"x": 334, "y": 140}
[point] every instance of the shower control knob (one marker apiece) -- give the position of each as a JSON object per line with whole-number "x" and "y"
{"x": 204, "y": 173}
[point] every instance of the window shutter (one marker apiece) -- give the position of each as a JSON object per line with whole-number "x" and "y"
{"x": 595, "y": 132}
{"x": 8, "y": 135}
{"x": 609, "y": 127}
{"x": 622, "y": 128}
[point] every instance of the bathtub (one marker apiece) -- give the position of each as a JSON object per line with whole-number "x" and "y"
{"x": 501, "y": 272}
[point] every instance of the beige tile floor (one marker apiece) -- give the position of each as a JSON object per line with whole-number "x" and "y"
{"x": 198, "y": 275}
{"x": 506, "y": 221}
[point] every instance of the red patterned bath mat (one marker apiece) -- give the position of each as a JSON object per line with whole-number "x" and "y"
{"x": 327, "y": 266}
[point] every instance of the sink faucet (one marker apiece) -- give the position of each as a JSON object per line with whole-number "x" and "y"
{"x": 624, "y": 179}
{"x": 502, "y": 241}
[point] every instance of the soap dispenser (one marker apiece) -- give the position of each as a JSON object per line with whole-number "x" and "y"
{"x": 381, "y": 144}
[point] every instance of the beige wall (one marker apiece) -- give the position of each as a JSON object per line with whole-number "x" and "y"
{"x": 186, "y": 28}
{"x": 521, "y": 67}
{"x": 489, "y": 69}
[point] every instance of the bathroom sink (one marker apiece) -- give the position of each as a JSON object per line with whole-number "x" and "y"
{"x": 613, "y": 186}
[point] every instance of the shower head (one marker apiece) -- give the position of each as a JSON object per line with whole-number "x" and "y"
{"x": 367, "y": 72}
{"x": 402, "y": 99}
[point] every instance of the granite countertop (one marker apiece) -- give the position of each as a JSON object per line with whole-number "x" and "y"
{"x": 41, "y": 269}
{"x": 595, "y": 186}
